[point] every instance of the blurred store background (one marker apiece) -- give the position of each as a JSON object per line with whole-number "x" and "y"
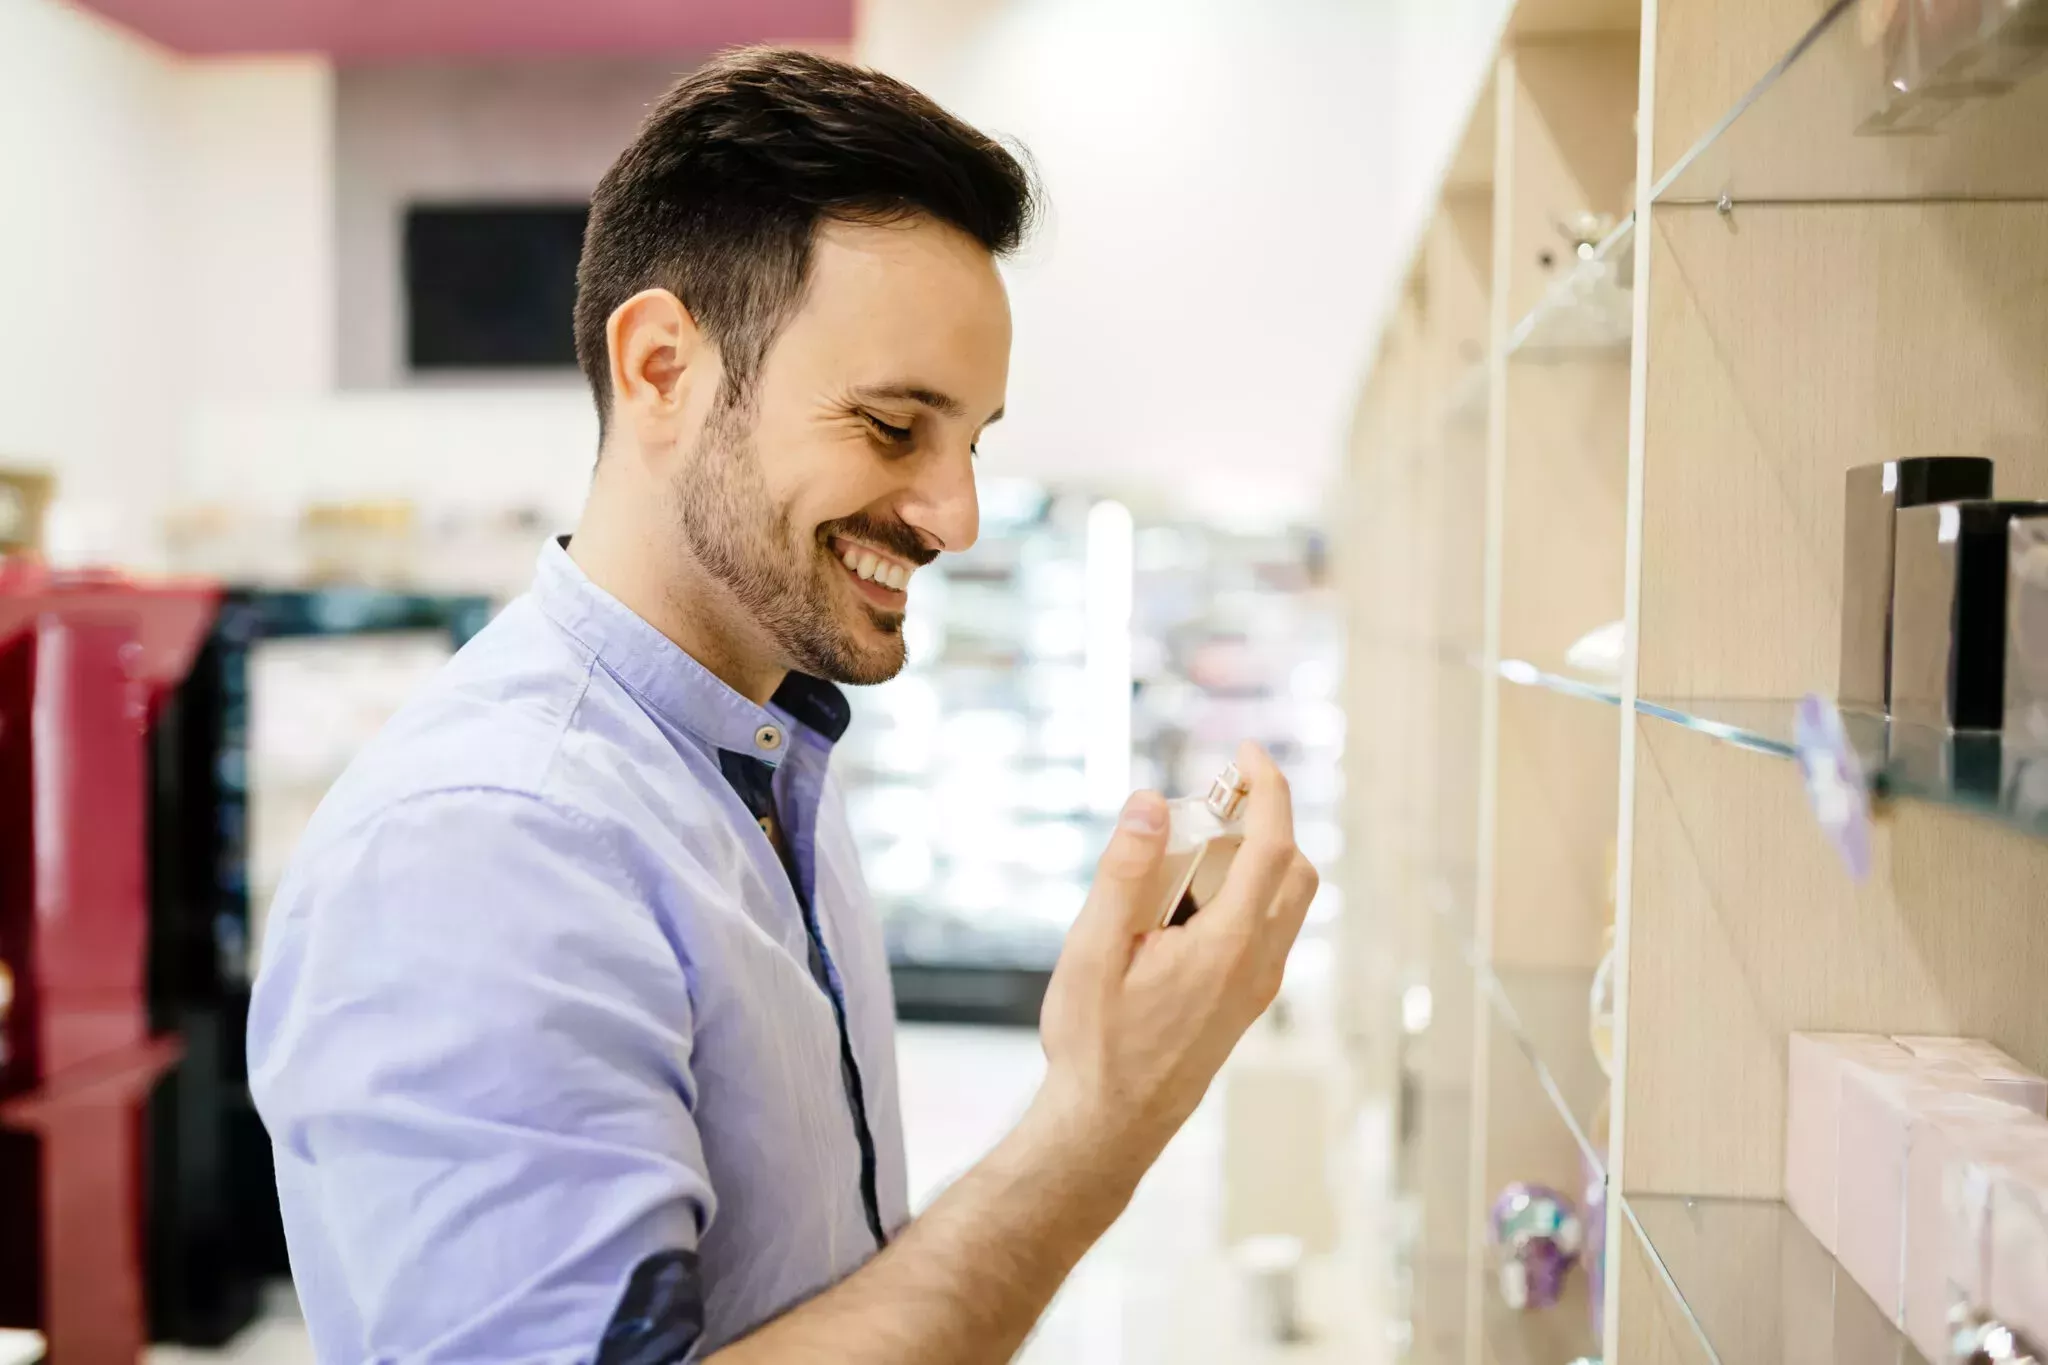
{"x": 283, "y": 309}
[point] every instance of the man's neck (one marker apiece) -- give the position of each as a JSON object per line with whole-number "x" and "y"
{"x": 660, "y": 582}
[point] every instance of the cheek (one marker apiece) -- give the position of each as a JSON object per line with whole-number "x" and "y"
{"x": 853, "y": 482}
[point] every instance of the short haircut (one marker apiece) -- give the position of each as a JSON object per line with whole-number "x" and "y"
{"x": 721, "y": 193}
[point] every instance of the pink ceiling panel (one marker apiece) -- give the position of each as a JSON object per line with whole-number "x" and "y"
{"x": 363, "y": 29}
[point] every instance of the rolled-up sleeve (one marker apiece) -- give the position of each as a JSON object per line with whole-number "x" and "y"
{"x": 470, "y": 1043}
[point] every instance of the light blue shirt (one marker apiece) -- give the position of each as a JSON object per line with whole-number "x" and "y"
{"x": 551, "y": 1066}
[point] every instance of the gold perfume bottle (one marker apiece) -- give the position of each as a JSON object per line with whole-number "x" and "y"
{"x": 1203, "y": 835}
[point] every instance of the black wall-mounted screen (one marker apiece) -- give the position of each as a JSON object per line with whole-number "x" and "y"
{"x": 491, "y": 286}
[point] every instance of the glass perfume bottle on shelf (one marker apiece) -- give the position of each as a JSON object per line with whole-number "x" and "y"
{"x": 1203, "y": 835}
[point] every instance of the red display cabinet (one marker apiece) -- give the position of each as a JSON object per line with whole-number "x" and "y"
{"x": 84, "y": 663}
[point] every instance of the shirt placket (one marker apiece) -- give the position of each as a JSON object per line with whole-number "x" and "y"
{"x": 784, "y": 799}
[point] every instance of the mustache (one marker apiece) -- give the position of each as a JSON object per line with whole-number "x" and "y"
{"x": 892, "y": 536}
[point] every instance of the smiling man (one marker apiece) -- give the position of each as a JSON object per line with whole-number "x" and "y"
{"x": 573, "y": 1032}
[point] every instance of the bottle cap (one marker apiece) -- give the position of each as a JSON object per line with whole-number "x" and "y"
{"x": 1227, "y": 793}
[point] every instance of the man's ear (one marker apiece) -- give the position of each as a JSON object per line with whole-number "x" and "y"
{"x": 656, "y": 355}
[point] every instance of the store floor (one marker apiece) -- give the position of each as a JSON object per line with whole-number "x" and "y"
{"x": 1158, "y": 1289}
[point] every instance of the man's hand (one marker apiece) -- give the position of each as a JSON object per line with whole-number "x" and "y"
{"x": 1136, "y": 1024}
{"x": 1139, "y": 1019}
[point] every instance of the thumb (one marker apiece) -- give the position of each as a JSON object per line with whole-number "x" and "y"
{"x": 1120, "y": 903}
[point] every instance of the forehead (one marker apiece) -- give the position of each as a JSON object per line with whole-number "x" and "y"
{"x": 917, "y": 303}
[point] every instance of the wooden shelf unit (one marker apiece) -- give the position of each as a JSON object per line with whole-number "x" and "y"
{"x": 1800, "y": 299}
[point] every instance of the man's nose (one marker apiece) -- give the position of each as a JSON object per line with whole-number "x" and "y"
{"x": 941, "y": 502}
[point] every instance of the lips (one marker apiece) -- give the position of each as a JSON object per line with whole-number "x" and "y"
{"x": 868, "y": 564}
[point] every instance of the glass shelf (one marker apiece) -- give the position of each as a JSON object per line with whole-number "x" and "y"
{"x": 1590, "y": 310}
{"x": 1978, "y": 772}
{"x": 1823, "y": 126}
{"x": 1546, "y": 1336}
{"x": 1522, "y": 673}
{"x": 1764, "y": 726}
{"x": 1755, "y": 1286}
{"x": 1547, "y": 1013}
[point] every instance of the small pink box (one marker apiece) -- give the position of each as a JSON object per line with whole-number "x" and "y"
{"x": 1940, "y": 1262}
{"x": 2019, "y": 1245}
{"x": 2007, "y": 1079}
{"x": 1969, "y": 1183}
{"x": 1813, "y": 1101}
{"x": 1886, "y": 1110}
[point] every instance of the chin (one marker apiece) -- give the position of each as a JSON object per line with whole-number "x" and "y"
{"x": 865, "y": 652}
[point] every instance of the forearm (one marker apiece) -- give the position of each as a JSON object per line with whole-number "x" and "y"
{"x": 966, "y": 1281}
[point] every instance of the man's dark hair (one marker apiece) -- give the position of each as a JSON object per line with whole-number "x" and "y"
{"x": 721, "y": 193}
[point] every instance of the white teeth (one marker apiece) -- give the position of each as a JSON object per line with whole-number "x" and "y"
{"x": 876, "y": 569}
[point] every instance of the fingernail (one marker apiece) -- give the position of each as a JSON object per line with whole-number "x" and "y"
{"x": 1144, "y": 813}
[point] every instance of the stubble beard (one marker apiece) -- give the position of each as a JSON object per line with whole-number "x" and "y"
{"x": 742, "y": 539}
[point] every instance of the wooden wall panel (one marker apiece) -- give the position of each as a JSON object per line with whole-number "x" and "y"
{"x": 1709, "y": 53}
{"x": 1566, "y": 515}
{"x": 1652, "y": 1330}
{"x": 1570, "y": 148}
{"x": 1788, "y": 345}
{"x": 1559, "y": 765}
{"x": 1555, "y": 17}
{"x": 1745, "y": 928}
{"x": 1527, "y": 1141}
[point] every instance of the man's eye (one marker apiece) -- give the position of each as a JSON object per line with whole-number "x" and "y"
{"x": 893, "y": 434}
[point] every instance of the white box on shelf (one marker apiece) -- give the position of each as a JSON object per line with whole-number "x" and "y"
{"x": 1812, "y": 1121}
{"x": 2009, "y": 1081}
{"x": 1937, "y": 1257}
{"x": 1888, "y": 1108}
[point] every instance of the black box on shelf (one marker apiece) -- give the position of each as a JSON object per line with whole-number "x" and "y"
{"x": 1948, "y": 613}
{"x": 2026, "y": 633}
{"x": 1875, "y": 493}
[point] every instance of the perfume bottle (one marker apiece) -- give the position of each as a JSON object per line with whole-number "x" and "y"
{"x": 1540, "y": 1235}
{"x": 1202, "y": 836}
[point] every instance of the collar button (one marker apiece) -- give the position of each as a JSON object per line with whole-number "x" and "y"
{"x": 768, "y": 737}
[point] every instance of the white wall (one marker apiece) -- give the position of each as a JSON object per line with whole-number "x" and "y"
{"x": 154, "y": 213}
{"x": 254, "y": 204}
{"x": 193, "y": 255}
{"x": 90, "y": 347}
{"x": 464, "y": 450}
{"x": 507, "y": 131}
{"x": 1234, "y": 185}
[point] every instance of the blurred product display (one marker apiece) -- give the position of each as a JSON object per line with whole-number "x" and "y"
{"x": 393, "y": 545}
{"x": 1540, "y": 1234}
{"x": 91, "y": 658}
{"x": 24, "y": 503}
{"x": 1598, "y": 653}
{"x": 1068, "y": 657}
{"x": 289, "y": 687}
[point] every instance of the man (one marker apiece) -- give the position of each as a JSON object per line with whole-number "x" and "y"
{"x": 573, "y": 1033}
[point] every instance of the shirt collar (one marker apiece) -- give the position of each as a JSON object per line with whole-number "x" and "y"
{"x": 669, "y": 681}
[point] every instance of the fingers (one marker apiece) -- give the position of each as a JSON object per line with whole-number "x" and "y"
{"x": 1268, "y": 852}
{"x": 1119, "y": 905}
{"x": 1290, "y": 908}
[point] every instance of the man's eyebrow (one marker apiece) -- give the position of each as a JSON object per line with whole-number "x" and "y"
{"x": 942, "y": 403}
